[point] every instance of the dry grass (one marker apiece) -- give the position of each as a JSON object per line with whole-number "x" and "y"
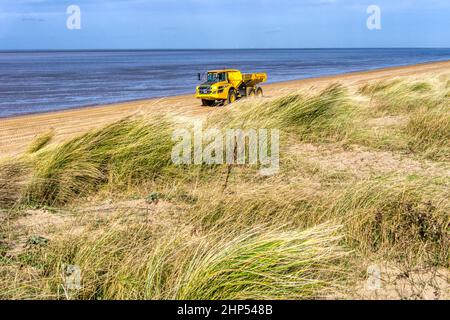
{"x": 14, "y": 177}
{"x": 40, "y": 142}
{"x": 405, "y": 221}
{"x": 120, "y": 154}
{"x": 429, "y": 132}
{"x": 218, "y": 232}
{"x": 137, "y": 261}
{"x": 323, "y": 116}
{"x": 403, "y": 96}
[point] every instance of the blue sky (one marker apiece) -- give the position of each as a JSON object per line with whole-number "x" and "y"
{"x": 149, "y": 24}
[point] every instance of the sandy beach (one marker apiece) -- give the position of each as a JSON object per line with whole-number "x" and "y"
{"x": 17, "y": 132}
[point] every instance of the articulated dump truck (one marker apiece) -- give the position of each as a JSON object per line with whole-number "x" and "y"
{"x": 226, "y": 86}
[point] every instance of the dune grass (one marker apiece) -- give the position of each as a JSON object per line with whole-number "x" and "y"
{"x": 14, "y": 175}
{"x": 132, "y": 263}
{"x": 130, "y": 151}
{"x": 266, "y": 203}
{"x": 224, "y": 232}
{"x": 401, "y": 96}
{"x": 323, "y": 116}
{"x": 40, "y": 142}
{"x": 429, "y": 132}
{"x": 265, "y": 264}
{"x": 400, "y": 219}
{"x": 121, "y": 154}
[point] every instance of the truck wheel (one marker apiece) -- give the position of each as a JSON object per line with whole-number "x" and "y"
{"x": 231, "y": 97}
{"x": 251, "y": 93}
{"x": 259, "y": 92}
{"x": 208, "y": 103}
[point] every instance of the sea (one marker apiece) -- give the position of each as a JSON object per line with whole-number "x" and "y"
{"x": 43, "y": 81}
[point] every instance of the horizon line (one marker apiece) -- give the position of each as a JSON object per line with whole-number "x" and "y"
{"x": 206, "y": 49}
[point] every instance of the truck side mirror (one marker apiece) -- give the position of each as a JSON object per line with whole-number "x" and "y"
{"x": 199, "y": 76}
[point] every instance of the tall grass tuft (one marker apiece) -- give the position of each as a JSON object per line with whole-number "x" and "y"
{"x": 273, "y": 204}
{"x": 41, "y": 141}
{"x": 323, "y": 115}
{"x": 14, "y": 175}
{"x": 397, "y": 96}
{"x": 135, "y": 262}
{"x": 312, "y": 117}
{"x": 265, "y": 264}
{"x": 403, "y": 221}
{"x": 372, "y": 88}
{"x": 429, "y": 132}
{"x": 123, "y": 153}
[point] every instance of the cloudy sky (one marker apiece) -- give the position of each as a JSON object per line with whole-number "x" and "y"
{"x": 149, "y": 24}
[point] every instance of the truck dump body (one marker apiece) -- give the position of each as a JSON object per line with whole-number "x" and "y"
{"x": 252, "y": 79}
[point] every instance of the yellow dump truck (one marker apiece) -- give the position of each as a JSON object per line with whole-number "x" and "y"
{"x": 226, "y": 86}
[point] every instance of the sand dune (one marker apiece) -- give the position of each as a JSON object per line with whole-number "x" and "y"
{"x": 17, "y": 132}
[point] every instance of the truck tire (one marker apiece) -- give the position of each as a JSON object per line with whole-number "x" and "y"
{"x": 208, "y": 103}
{"x": 259, "y": 92}
{"x": 232, "y": 97}
{"x": 251, "y": 93}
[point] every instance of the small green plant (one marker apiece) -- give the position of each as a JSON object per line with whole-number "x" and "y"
{"x": 37, "y": 241}
{"x": 153, "y": 198}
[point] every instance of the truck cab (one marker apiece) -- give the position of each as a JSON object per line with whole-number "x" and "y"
{"x": 228, "y": 85}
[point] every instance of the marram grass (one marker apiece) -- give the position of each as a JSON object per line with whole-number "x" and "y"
{"x": 429, "y": 132}
{"x": 41, "y": 141}
{"x": 399, "y": 96}
{"x": 260, "y": 263}
{"x": 14, "y": 176}
{"x": 265, "y": 264}
{"x": 123, "y": 153}
{"x": 400, "y": 219}
{"x": 322, "y": 116}
{"x": 252, "y": 237}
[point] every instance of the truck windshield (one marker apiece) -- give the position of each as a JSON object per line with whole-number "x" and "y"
{"x": 217, "y": 77}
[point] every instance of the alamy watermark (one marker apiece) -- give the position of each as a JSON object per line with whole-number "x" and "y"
{"x": 374, "y": 19}
{"x": 74, "y": 20}
{"x": 373, "y": 278}
{"x": 72, "y": 278}
{"x": 233, "y": 146}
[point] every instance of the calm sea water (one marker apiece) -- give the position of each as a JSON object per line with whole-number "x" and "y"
{"x": 33, "y": 82}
